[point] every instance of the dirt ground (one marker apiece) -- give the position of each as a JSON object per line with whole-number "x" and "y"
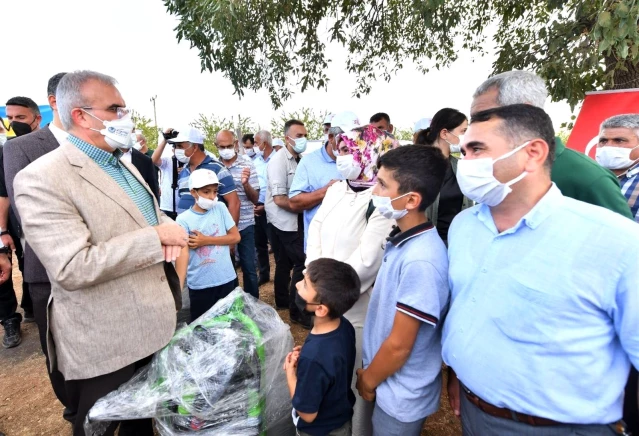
{"x": 29, "y": 407}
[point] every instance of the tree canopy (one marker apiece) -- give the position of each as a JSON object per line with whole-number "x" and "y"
{"x": 575, "y": 45}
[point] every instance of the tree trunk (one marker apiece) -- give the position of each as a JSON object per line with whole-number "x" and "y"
{"x": 624, "y": 79}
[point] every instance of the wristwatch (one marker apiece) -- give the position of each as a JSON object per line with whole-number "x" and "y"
{"x": 4, "y": 232}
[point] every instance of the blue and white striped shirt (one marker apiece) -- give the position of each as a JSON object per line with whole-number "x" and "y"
{"x": 110, "y": 163}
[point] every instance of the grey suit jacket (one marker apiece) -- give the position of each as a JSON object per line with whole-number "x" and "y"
{"x": 110, "y": 304}
{"x": 18, "y": 153}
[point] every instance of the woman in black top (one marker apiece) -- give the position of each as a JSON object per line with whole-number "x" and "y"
{"x": 445, "y": 132}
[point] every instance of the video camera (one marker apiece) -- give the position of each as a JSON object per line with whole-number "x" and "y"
{"x": 171, "y": 135}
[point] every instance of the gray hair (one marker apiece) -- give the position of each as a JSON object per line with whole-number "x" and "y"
{"x": 336, "y": 130}
{"x": 625, "y": 121}
{"x": 265, "y": 136}
{"x": 69, "y": 96}
{"x": 516, "y": 87}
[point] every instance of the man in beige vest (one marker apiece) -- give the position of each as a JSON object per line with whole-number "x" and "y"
{"x": 97, "y": 229}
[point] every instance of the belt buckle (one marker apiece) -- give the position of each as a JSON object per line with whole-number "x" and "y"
{"x": 620, "y": 428}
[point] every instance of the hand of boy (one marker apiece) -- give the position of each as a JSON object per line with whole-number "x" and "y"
{"x": 290, "y": 363}
{"x": 196, "y": 239}
{"x": 365, "y": 391}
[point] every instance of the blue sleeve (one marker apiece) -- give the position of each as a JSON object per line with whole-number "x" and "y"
{"x": 312, "y": 385}
{"x": 181, "y": 220}
{"x": 227, "y": 183}
{"x": 229, "y": 223}
{"x": 419, "y": 291}
{"x": 300, "y": 181}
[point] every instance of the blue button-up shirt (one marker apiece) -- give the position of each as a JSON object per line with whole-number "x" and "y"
{"x": 544, "y": 317}
{"x": 314, "y": 172}
{"x": 110, "y": 163}
{"x": 260, "y": 166}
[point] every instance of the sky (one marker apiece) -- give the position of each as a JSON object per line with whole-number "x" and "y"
{"x": 134, "y": 41}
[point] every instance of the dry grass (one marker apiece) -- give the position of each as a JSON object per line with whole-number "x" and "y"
{"x": 29, "y": 407}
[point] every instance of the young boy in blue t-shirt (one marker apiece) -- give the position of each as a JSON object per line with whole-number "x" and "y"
{"x": 319, "y": 374}
{"x": 402, "y": 332}
{"x": 210, "y": 273}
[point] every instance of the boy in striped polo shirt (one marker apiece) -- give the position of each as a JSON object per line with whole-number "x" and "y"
{"x": 402, "y": 332}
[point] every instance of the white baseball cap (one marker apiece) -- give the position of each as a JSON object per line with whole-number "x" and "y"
{"x": 278, "y": 142}
{"x": 422, "y": 124}
{"x": 328, "y": 118}
{"x": 188, "y": 134}
{"x": 201, "y": 178}
{"x": 346, "y": 121}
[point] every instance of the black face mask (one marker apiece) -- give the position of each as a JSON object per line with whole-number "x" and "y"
{"x": 301, "y": 305}
{"x": 20, "y": 128}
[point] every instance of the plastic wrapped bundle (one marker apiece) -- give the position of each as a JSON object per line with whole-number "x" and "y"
{"x": 220, "y": 375}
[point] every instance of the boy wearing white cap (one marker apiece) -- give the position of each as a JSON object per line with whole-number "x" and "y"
{"x": 206, "y": 262}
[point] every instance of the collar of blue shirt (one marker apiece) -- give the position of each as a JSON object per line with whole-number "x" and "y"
{"x": 548, "y": 203}
{"x": 325, "y": 155}
{"x": 631, "y": 172}
{"x": 396, "y": 238}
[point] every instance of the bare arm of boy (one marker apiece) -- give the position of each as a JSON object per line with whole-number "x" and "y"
{"x": 391, "y": 356}
{"x": 181, "y": 265}
{"x": 197, "y": 239}
{"x": 290, "y": 367}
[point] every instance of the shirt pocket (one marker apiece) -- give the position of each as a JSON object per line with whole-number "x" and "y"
{"x": 527, "y": 314}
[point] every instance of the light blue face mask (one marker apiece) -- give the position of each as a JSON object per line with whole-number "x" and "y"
{"x": 300, "y": 144}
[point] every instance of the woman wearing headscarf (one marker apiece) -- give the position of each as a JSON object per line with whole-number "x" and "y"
{"x": 446, "y": 132}
{"x": 349, "y": 229}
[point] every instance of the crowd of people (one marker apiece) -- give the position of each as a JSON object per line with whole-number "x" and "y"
{"x": 485, "y": 247}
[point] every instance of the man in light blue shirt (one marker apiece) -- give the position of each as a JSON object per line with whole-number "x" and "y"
{"x": 317, "y": 171}
{"x": 543, "y": 324}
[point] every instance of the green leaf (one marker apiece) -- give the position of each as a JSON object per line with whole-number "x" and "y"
{"x": 604, "y": 19}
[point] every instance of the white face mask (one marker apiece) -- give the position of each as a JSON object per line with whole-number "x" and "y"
{"x": 181, "y": 156}
{"x": 614, "y": 158}
{"x": 300, "y": 144}
{"x": 227, "y": 153}
{"x": 206, "y": 203}
{"x": 3, "y": 139}
{"x": 250, "y": 152}
{"x": 257, "y": 151}
{"x": 385, "y": 207}
{"x": 456, "y": 148}
{"x": 477, "y": 181}
{"x": 117, "y": 133}
{"x": 138, "y": 146}
{"x": 347, "y": 167}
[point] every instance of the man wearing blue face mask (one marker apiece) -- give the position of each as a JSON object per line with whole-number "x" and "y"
{"x": 542, "y": 328}
{"x": 285, "y": 221}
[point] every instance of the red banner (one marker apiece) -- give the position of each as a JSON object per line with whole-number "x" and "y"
{"x": 599, "y": 106}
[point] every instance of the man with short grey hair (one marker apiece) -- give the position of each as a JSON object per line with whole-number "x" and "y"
{"x": 95, "y": 226}
{"x": 574, "y": 173}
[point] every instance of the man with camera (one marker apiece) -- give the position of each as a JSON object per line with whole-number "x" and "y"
{"x": 188, "y": 149}
{"x": 169, "y": 168}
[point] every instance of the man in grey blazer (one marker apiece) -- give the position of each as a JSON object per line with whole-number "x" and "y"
{"x": 17, "y": 154}
{"x": 95, "y": 225}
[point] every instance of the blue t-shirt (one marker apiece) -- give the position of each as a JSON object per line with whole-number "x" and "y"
{"x": 227, "y": 184}
{"x": 413, "y": 279}
{"x": 209, "y": 265}
{"x": 313, "y": 172}
{"x": 324, "y": 376}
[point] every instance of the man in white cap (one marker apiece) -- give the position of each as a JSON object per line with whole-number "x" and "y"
{"x": 318, "y": 171}
{"x": 423, "y": 123}
{"x": 189, "y": 149}
{"x": 277, "y": 144}
{"x": 327, "y": 125}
